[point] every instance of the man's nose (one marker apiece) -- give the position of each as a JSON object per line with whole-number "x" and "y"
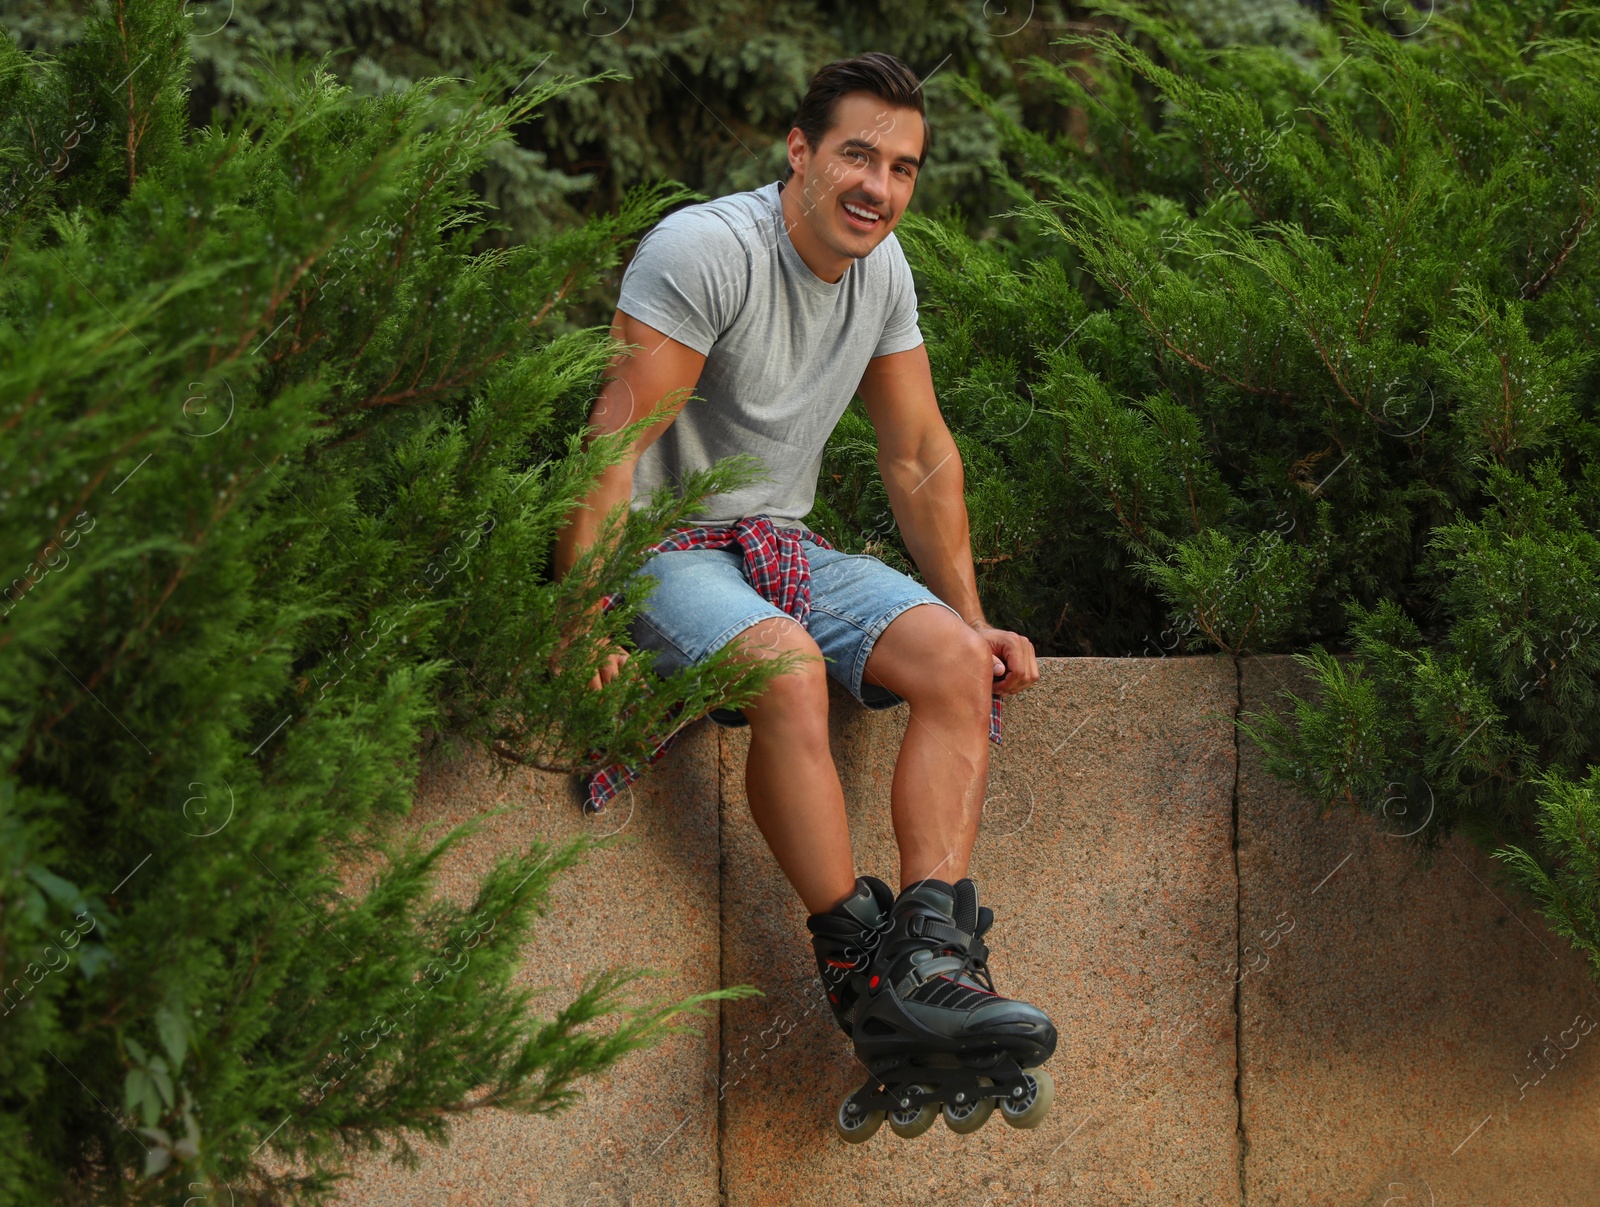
{"x": 875, "y": 184}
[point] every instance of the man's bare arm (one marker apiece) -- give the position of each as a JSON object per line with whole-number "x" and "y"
{"x": 656, "y": 376}
{"x": 922, "y": 473}
{"x": 659, "y": 370}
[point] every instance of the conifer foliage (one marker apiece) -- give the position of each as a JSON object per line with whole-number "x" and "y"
{"x": 280, "y": 464}
{"x": 1299, "y": 354}
{"x": 698, "y": 91}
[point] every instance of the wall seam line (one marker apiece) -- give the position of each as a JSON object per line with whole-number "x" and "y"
{"x": 1242, "y": 1139}
{"x": 722, "y": 804}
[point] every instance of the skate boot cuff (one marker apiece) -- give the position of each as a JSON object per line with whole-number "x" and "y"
{"x": 868, "y": 905}
{"x": 932, "y": 892}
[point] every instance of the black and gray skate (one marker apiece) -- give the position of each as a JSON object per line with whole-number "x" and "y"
{"x": 933, "y": 1032}
{"x": 845, "y": 939}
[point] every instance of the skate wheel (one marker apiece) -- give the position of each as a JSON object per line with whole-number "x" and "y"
{"x": 856, "y": 1126}
{"x": 910, "y": 1122}
{"x": 1029, "y": 1108}
{"x": 964, "y": 1118}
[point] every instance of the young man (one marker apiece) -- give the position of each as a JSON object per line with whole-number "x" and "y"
{"x": 775, "y": 307}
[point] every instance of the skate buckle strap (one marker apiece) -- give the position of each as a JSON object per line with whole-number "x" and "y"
{"x": 926, "y": 971}
{"x": 921, "y": 926}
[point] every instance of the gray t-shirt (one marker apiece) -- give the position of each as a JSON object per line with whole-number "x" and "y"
{"x": 785, "y": 350}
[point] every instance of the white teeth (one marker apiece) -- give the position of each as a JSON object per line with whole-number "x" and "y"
{"x": 864, "y": 215}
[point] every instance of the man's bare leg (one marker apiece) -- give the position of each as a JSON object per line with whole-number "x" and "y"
{"x": 793, "y": 786}
{"x": 945, "y": 671}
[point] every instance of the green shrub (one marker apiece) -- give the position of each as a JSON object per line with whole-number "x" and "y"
{"x": 280, "y": 466}
{"x": 1298, "y": 353}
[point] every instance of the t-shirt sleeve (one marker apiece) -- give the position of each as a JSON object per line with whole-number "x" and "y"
{"x": 900, "y": 330}
{"x": 687, "y": 279}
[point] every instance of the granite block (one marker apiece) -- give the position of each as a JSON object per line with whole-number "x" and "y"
{"x": 1106, "y": 854}
{"x": 646, "y": 1133}
{"x": 1408, "y": 1030}
{"x": 1410, "y": 1036}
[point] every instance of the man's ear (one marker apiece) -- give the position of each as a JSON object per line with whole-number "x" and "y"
{"x": 797, "y": 148}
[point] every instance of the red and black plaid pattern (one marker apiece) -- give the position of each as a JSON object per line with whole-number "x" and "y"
{"x": 777, "y": 567}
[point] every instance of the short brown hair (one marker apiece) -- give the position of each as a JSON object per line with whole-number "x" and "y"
{"x": 882, "y": 75}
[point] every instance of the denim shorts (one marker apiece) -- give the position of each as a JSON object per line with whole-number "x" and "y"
{"x": 702, "y": 601}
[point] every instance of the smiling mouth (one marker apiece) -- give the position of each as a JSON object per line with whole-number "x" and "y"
{"x": 860, "y": 216}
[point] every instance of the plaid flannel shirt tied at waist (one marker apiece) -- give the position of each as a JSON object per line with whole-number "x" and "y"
{"x": 777, "y": 568}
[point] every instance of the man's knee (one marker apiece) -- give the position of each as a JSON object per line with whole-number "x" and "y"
{"x": 972, "y": 662}
{"x": 955, "y": 666}
{"x": 800, "y": 691}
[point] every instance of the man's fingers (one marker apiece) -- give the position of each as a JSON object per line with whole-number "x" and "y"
{"x": 1020, "y": 663}
{"x": 1028, "y": 672}
{"x": 1030, "y": 664}
{"x": 612, "y": 666}
{"x": 608, "y": 670}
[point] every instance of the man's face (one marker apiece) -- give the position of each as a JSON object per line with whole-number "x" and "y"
{"x": 858, "y": 181}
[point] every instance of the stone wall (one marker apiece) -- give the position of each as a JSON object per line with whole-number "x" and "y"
{"x": 1256, "y": 1004}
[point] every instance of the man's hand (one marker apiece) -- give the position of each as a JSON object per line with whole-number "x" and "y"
{"x": 611, "y": 668}
{"x": 1013, "y": 657}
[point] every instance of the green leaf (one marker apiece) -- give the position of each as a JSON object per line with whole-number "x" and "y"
{"x": 173, "y": 1028}
{"x": 163, "y": 1081}
{"x": 92, "y": 957}
{"x": 141, "y": 1096}
{"x": 157, "y": 1160}
{"x": 62, "y": 891}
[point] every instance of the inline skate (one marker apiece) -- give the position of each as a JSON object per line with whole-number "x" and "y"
{"x": 844, "y": 940}
{"x": 933, "y": 1032}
